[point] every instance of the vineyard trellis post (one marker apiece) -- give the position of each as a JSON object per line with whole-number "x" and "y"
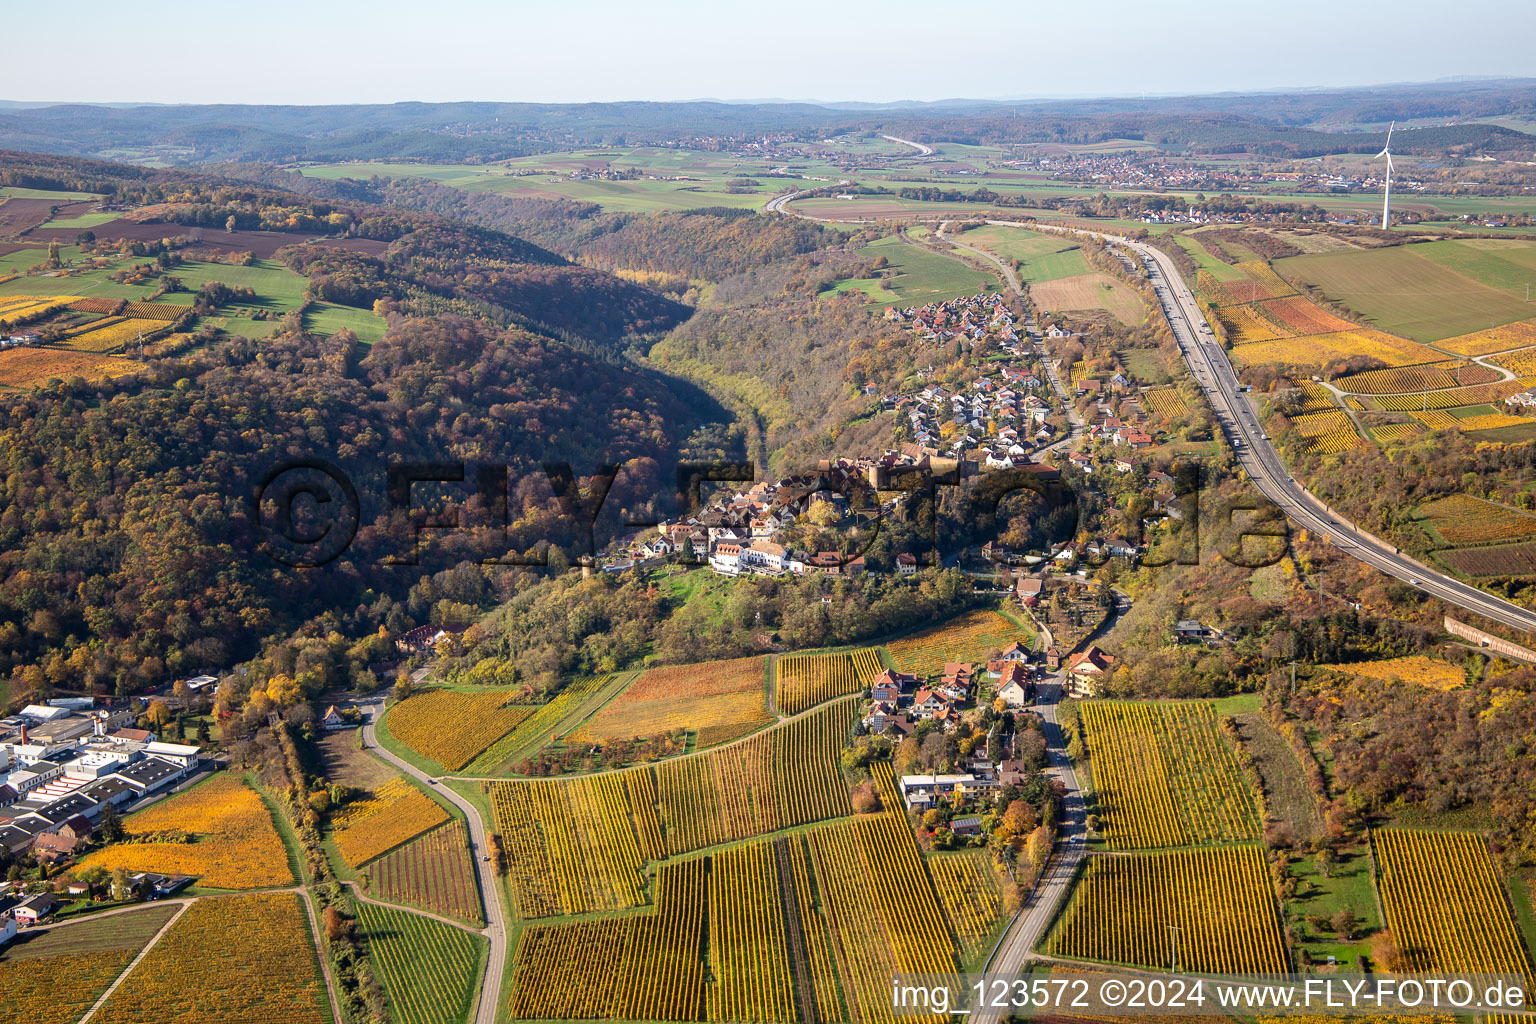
{"x": 1175, "y": 929}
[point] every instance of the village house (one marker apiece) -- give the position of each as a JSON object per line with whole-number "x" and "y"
{"x": 1087, "y": 669}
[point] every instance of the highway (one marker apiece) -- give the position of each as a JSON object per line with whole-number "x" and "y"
{"x": 1239, "y": 420}
{"x": 922, "y": 150}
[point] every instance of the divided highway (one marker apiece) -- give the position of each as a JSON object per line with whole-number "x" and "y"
{"x": 1240, "y": 421}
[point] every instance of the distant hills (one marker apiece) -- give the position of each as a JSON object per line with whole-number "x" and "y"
{"x": 1266, "y": 122}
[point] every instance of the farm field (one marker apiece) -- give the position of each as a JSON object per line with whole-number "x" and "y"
{"x": 434, "y": 872}
{"x": 916, "y": 275}
{"x": 1044, "y": 257}
{"x": 1414, "y": 668}
{"x": 237, "y": 846}
{"x": 578, "y": 844}
{"x": 1393, "y": 432}
{"x": 452, "y": 727}
{"x": 277, "y": 288}
{"x": 428, "y": 968}
{"x": 53, "y": 977}
{"x": 203, "y": 968}
{"x": 112, "y": 333}
{"x": 548, "y": 722}
{"x": 720, "y": 700}
{"x": 971, "y": 637}
{"x": 1496, "y": 560}
{"x": 34, "y": 367}
{"x": 1089, "y": 292}
{"x": 1446, "y": 903}
{"x": 1426, "y": 292}
{"x": 393, "y": 814}
{"x": 1221, "y": 901}
{"x": 805, "y": 680}
{"x": 1461, "y": 519}
{"x": 1451, "y": 398}
{"x": 1164, "y": 775}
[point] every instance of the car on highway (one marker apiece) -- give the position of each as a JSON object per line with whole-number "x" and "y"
{"x": 1414, "y": 583}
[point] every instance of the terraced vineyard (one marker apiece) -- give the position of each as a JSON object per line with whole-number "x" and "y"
{"x": 428, "y": 968}
{"x": 1125, "y": 907}
{"x": 805, "y": 680}
{"x": 1402, "y": 379}
{"x": 434, "y": 872}
{"x": 1165, "y": 776}
{"x": 1445, "y": 902}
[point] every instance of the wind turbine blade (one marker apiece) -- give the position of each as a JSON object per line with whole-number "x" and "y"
{"x": 1389, "y": 135}
{"x": 1378, "y": 156}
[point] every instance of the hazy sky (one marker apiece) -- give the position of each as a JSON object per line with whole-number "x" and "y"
{"x": 281, "y": 51}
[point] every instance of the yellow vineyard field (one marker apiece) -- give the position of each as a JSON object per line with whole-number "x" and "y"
{"x": 1415, "y": 668}
{"x": 1462, "y": 519}
{"x": 969, "y": 889}
{"x": 805, "y": 680}
{"x": 969, "y": 637}
{"x": 721, "y": 700}
{"x": 1316, "y": 349}
{"x": 1498, "y": 339}
{"x": 396, "y": 813}
{"x": 1399, "y": 380}
{"x": 1327, "y": 432}
{"x": 578, "y": 844}
{"x": 453, "y": 726}
{"x": 104, "y": 336}
{"x": 1390, "y": 432}
{"x": 1126, "y": 907}
{"x": 1521, "y": 363}
{"x": 236, "y": 847}
{"x": 1165, "y": 776}
{"x": 20, "y": 308}
{"x": 1165, "y": 402}
{"x": 240, "y": 959}
{"x": 1453, "y": 397}
{"x": 1445, "y": 902}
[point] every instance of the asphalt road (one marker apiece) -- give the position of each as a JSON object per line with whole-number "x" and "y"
{"x": 1239, "y": 419}
{"x": 1029, "y": 925}
{"x": 496, "y": 925}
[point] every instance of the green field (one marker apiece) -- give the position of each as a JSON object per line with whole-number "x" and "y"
{"x": 277, "y": 288}
{"x": 325, "y": 318}
{"x": 917, "y": 275}
{"x": 1044, "y": 257}
{"x": 428, "y": 968}
{"x": 1203, "y": 258}
{"x": 83, "y": 221}
{"x": 15, "y": 192}
{"x": 93, "y": 283}
{"x": 1425, "y": 292}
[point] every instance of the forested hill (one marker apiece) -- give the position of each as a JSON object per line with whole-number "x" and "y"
{"x": 128, "y": 550}
{"x": 421, "y": 262}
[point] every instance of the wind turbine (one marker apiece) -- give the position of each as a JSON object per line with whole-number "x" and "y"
{"x": 1386, "y": 197}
